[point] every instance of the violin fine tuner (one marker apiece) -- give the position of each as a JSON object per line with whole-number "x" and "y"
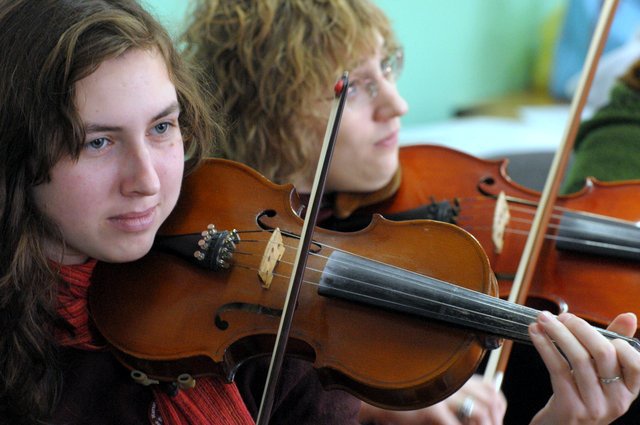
{"x": 216, "y": 248}
{"x": 213, "y": 249}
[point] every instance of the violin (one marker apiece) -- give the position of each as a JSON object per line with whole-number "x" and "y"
{"x": 399, "y": 313}
{"x": 592, "y": 248}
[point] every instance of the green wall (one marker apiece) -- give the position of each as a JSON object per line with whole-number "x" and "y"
{"x": 458, "y": 52}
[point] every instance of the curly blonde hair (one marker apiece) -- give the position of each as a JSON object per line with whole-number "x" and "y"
{"x": 270, "y": 61}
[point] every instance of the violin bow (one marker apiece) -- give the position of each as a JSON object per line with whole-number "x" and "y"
{"x": 299, "y": 265}
{"x": 498, "y": 358}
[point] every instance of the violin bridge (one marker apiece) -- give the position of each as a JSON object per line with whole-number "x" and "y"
{"x": 272, "y": 254}
{"x": 501, "y": 218}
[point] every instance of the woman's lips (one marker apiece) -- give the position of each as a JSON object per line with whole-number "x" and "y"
{"x": 134, "y": 221}
{"x": 389, "y": 141}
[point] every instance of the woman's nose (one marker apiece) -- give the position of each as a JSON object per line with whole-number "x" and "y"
{"x": 390, "y": 103}
{"x": 140, "y": 174}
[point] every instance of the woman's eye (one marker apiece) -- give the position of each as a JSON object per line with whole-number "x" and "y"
{"x": 352, "y": 90}
{"x": 98, "y": 144}
{"x": 162, "y": 127}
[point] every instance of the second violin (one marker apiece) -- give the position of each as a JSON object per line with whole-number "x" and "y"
{"x": 592, "y": 238}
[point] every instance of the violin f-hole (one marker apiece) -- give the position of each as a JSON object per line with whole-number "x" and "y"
{"x": 250, "y": 308}
{"x": 315, "y": 247}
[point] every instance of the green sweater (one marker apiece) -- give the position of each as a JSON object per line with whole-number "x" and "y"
{"x": 608, "y": 145}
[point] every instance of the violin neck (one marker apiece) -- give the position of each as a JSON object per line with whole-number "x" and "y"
{"x": 598, "y": 235}
{"x": 361, "y": 280}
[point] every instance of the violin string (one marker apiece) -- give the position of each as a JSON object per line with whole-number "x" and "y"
{"x": 602, "y": 233}
{"x": 527, "y": 212}
{"x": 521, "y": 333}
{"x": 527, "y": 315}
{"x": 548, "y": 236}
{"x": 555, "y": 237}
{"x": 453, "y": 310}
{"x": 249, "y": 231}
{"x": 582, "y": 241}
{"x": 489, "y": 226}
{"x": 513, "y": 219}
{"x": 556, "y": 224}
{"x": 522, "y": 205}
{"x": 243, "y": 252}
{"x": 552, "y": 237}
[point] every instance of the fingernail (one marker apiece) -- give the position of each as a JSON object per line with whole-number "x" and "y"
{"x": 564, "y": 317}
{"x": 544, "y": 316}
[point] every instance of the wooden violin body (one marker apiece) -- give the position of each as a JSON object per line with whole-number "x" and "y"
{"x": 595, "y": 287}
{"x": 167, "y": 317}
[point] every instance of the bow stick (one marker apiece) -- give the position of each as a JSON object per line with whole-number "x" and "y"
{"x": 498, "y": 358}
{"x": 300, "y": 263}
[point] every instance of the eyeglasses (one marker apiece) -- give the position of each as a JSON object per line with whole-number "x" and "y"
{"x": 390, "y": 67}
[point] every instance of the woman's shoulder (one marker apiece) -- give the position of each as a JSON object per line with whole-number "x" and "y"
{"x": 619, "y": 118}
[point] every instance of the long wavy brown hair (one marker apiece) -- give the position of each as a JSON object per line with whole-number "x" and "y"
{"x": 47, "y": 46}
{"x": 270, "y": 61}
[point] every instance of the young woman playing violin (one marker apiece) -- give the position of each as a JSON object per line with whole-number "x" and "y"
{"x": 100, "y": 117}
{"x": 271, "y": 63}
{"x": 97, "y": 111}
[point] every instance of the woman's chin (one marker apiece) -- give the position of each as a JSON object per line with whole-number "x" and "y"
{"x": 126, "y": 254}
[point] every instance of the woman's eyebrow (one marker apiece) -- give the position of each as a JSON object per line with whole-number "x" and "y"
{"x": 174, "y": 107}
{"x": 101, "y": 128}
{"x": 97, "y": 128}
